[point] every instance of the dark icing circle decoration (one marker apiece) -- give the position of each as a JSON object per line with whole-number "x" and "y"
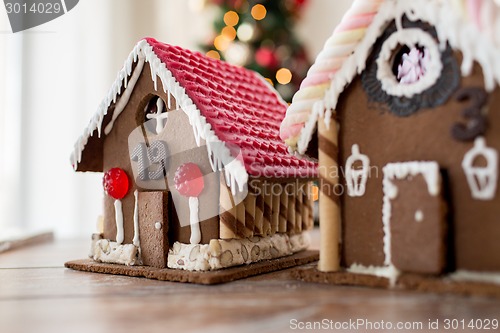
{"x": 433, "y": 96}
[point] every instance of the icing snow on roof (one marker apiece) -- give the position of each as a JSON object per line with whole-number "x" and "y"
{"x": 225, "y": 103}
{"x": 471, "y": 26}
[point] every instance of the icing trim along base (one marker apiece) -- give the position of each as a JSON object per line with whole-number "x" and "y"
{"x": 227, "y": 253}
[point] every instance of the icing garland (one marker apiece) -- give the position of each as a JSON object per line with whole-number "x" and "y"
{"x": 432, "y": 90}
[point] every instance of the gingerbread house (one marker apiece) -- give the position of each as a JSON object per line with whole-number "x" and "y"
{"x": 195, "y": 174}
{"x": 399, "y": 108}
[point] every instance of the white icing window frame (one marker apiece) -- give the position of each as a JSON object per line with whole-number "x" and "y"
{"x": 410, "y": 37}
{"x": 428, "y": 169}
{"x": 482, "y": 181}
{"x": 356, "y": 179}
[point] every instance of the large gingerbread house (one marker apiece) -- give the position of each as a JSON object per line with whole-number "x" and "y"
{"x": 399, "y": 107}
{"x": 195, "y": 174}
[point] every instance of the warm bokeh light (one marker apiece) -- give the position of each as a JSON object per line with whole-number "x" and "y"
{"x": 246, "y": 32}
{"x": 229, "y": 32}
{"x": 259, "y": 12}
{"x": 284, "y": 76}
{"x": 315, "y": 192}
{"x": 231, "y": 18}
{"x": 270, "y": 81}
{"x": 221, "y": 43}
{"x": 213, "y": 54}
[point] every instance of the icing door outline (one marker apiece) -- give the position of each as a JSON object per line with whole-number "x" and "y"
{"x": 414, "y": 217}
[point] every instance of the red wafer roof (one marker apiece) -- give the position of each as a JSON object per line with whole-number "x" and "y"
{"x": 241, "y": 108}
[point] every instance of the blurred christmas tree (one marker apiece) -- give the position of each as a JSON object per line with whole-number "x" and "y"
{"x": 258, "y": 34}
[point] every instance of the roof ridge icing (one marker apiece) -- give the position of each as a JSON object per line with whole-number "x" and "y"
{"x": 471, "y": 29}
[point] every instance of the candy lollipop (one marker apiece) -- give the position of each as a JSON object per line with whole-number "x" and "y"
{"x": 115, "y": 183}
{"x": 189, "y": 182}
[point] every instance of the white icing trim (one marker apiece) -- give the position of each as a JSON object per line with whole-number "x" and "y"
{"x": 430, "y": 172}
{"x": 485, "y": 277}
{"x": 194, "y": 220}
{"x": 482, "y": 180}
{"x": 219, "y": 155}
{"x": 451, "y": 28}
{"x": 122, "y": 102}
{"x": 136, "y": 240}
{"x": 390, "y": 272}
{"x": 411, "y": 38}
{"x": 356, "y": 178}
{"x": 119, "y": 221}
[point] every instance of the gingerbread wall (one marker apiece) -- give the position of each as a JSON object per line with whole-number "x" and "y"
{"x": 473, "y": 225}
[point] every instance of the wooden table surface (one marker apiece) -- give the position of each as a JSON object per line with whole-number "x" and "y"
{"x": 37, "y": 294}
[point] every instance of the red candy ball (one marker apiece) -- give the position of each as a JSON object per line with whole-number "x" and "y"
{"x": 188, "y": 180}
{"x": 115, "y": 183}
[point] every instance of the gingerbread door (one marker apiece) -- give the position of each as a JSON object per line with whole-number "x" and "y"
{"x": 153, "y": 227}
{"x": 414, "y": 217}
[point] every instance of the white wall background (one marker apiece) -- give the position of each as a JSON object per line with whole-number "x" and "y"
{"x": 52, "y": 79}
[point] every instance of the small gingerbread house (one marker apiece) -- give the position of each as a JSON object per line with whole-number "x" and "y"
{"x": 195, "y": 174}
{"x": 399, "y": 107}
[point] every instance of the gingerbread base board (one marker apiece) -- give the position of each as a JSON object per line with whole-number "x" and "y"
{"x": 406, "y": 281}
{"x": 207, "y": 278}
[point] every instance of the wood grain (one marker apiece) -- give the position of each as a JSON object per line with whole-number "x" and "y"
{"x": 38, "y": 295}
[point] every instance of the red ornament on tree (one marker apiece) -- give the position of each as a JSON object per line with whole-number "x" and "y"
{"x": 265, "y": 57}
{"x": 115, "y": 183}
{"x": 188, "y": 180}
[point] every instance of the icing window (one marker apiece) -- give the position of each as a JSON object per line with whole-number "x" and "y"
{"x": 411, "y": 64}
{"x": 418, "y": 61}
{"x": 408, "y": 70}
{"x": 155, "y": 115}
